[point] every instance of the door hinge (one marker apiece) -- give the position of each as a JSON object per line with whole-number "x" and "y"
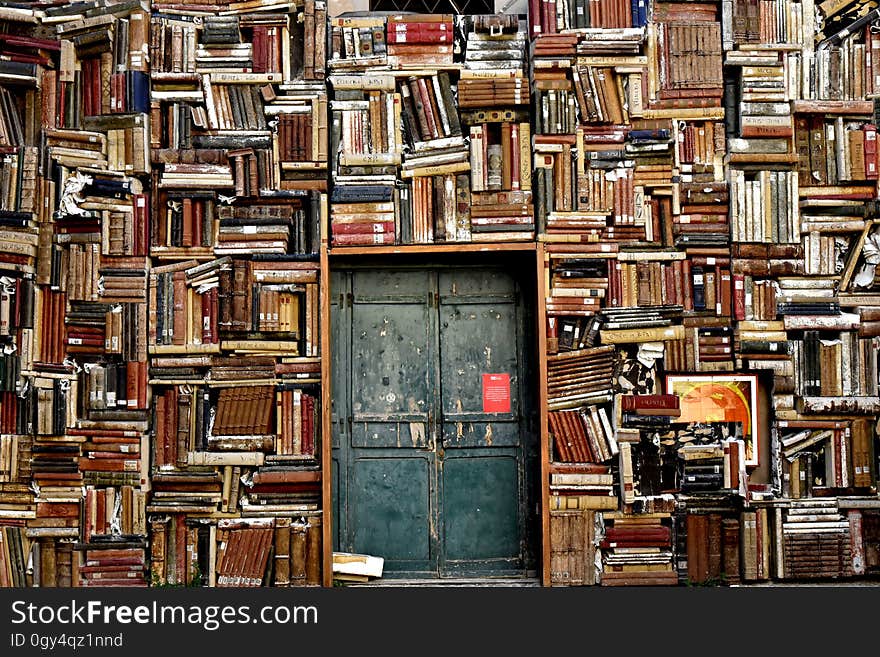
{"x": 350, "y": 298}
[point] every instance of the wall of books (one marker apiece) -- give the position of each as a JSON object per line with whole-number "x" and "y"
{"x": 698, "y": 181}
{"x": 164, "y": 183}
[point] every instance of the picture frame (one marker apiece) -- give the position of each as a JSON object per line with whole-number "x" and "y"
{"x": 711, "y": 398}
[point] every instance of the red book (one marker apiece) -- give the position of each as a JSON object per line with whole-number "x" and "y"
{"x": 198, "y": 219}
{"x": 734, "y": 464}
{"x": 739, "y": 297}
{"x": 535, "y": 16}
{"x": 98, "y": 556}
{"x": 131, "y": 384}
{"x": 117, "y": 464}
{"x": 642, "y": 534}
{"x": 669, "y": 277}
{"x": 633, "y": 402}
{"x": 287, "y": 477}
{"x": 57, "y": 510}
{"x": 362, "y": 240}
{"x": 870, "y": 151}
{"x": 259, "y": 53}
{"x": 163, "y": 413}
{"x": 418, "y": 32}
{"x": 363, "y": 228}
{"x": 89, "y": 527}
{"x": 87, "y": 72}
{"x": 100, "y": 519}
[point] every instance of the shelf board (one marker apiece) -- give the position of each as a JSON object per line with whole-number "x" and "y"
{"x": 184, "y": 349}
{"x": 843, "y": 107}
{"x": 403, "y": 249}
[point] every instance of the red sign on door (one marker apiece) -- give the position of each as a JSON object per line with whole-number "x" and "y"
{"x": 496, "y": 393}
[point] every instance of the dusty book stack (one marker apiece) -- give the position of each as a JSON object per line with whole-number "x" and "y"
{"x": 29, "y": 56}
{"x": 411, "y": 118}
{"x": 632, "y": 204}
{"x": 90, "y": 363}
{"x": 494, "y": 100}
{"x": 752, "y": 160}
{"x": 239, "y": 148}
{"x": 826, "y": 384}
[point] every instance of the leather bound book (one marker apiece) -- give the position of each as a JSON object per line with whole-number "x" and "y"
{"x": 697, "y": 548}
{"x": 714, "y": 563}
{"x": 179, "y": 308}
{"x": 314, "y": 551}
{"x": 418, "y": 106}
{"x": 298, "y": 554}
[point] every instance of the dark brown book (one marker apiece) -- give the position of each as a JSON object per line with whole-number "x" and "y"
{"x": 298, "y": 554}
{"x": 314, "y": 552}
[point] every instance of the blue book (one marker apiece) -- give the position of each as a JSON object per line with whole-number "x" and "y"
{"x": 138, "y": 87}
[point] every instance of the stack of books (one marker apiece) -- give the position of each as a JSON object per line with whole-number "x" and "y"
{"x": 637, "y": 551}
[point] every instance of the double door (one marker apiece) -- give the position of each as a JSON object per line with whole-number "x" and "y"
{"x": 433, "y": 433}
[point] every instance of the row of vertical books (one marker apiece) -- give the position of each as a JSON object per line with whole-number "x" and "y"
{"x": 163, "y": 195}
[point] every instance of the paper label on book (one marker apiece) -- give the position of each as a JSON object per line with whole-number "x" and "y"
{"x": 249, "y": 230}
{"x": 496, "y": 393}
{"x": 710, "y": 260}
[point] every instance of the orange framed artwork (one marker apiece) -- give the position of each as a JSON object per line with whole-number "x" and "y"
{"x": 720, "y": 398}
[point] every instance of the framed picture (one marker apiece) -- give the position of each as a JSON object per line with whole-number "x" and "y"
{"x": 720, "y": 398}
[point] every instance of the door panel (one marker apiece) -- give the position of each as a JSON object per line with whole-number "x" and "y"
{"x": 392, "y": 463}
{"x": 391, "y": 357}
{"x": 479, "y": 334}
{"x": 392, "y": 510}
{"x": 481, "y": 511}
{"x": 402, "y": 435}
{"x": 482, "y": 457}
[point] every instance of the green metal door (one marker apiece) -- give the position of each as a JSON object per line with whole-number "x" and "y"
{"x": 429, "y": 421}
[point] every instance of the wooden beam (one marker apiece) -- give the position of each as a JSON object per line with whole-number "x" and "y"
{"x": 541, "y": 275}
{"x": 431, "y": 248}
{"x": 326, "y": 424}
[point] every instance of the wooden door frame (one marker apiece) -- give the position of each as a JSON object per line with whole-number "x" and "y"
{"x": 515, "y": 256}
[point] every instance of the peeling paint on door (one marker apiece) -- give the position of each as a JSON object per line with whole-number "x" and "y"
{"x": 417, "y": 434}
